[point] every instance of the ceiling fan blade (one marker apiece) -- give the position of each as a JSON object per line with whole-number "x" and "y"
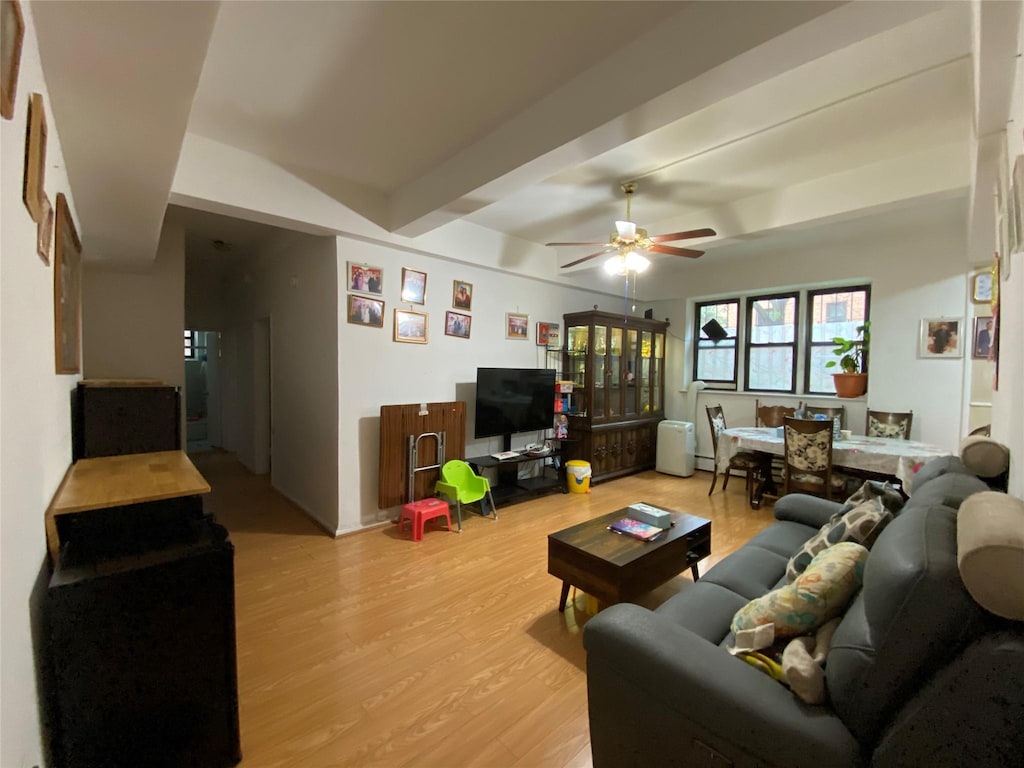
{"x": 706, "y": 232}
{"x": 608, "y": 244}
{"x": 591, "y": 256}
{"x": 688, "y": 252}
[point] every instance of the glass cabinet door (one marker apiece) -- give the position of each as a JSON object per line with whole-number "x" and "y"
{"x": 646, "y": 371}
{"x": 615, "y": 369}
{"x": 600, "y": 361}
{"x": 629, "y": 359}
{"x": 657, "y": 372}
{"x": 576, "y": 351}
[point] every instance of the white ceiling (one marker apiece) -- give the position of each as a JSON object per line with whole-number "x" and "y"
{"x": 521, "y": 117}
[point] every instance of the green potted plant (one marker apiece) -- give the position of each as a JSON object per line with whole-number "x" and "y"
{"x": 852, "y": 354}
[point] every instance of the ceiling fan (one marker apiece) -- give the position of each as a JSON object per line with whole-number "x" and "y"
{"x": 628, "y": 239}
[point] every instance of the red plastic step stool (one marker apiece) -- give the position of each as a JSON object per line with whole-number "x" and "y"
{"x": 418, "y": 512}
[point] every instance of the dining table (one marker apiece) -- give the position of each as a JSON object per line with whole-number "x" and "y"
{"x": 873, "y": 457}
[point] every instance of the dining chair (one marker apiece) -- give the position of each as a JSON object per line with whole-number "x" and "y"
{"x": 807, "y": 460}
{"x": 744, "y": 460}
{"x": 889, "y": 424}
{"x": 829, "y": 413}
{"x": 771, "y": 415}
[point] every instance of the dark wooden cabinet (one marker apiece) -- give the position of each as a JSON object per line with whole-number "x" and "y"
{"x": 111, "y": 417}
{"x": 617, "y": 366}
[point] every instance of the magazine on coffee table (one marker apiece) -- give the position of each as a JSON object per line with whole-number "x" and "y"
{"x": 627, "y": 526}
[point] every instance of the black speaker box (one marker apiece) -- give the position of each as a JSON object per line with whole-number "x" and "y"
{"x": 115, "y": 420}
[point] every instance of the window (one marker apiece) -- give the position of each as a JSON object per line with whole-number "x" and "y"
{"x": 832, "y": 312}
{"x": 190, "y": 345}
{"x": 771, "y": 342}
{"x": 715, "y": 360}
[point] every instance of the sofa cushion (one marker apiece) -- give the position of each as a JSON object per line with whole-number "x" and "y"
{"x": 749, "y": 571}
{"x": 820, "y": 593}
{"x": 912, "y": 615}
{"x": 990, "y": 552}
{"x": 948, "y": 490}
{"x": 782, "y": 538}
{"x": 705, "y": 609}
{"x": 942, "y": 465}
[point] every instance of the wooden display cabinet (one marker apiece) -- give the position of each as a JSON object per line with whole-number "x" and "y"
{"x": 617, "y": 366}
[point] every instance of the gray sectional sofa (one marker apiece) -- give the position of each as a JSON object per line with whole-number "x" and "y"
{"x": 918, "y": 673}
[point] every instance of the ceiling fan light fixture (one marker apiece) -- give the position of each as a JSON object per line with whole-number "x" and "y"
{"x": 626, "y": 229}
{"x": 634, "y": 262}
{"x": 616, "y": 265}
{"x": 621, "y": 264}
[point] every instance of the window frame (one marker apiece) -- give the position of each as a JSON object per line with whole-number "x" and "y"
{"x": 809, "y": 344}
{"x": 190, "y": 341}
{"x": 794, "y": 345}
{"x": 729, "y": 385}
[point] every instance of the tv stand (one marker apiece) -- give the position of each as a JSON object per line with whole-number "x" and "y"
{"x": 510, "y": 489}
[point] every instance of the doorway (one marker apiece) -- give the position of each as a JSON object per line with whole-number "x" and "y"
{"x": 203, "y": 419}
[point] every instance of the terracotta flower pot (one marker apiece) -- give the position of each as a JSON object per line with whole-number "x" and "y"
{"x": 850, "y": 384}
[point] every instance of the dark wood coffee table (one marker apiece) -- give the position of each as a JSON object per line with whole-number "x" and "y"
{"x": 615, "y": 568}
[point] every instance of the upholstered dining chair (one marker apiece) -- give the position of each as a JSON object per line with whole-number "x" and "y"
{"x": 771, "y": 415}
{"x": 746, "y": 461}
{"x": 808, "y": 458}
{"x": 829, "y": 413}
{"x": 888, "y": 424}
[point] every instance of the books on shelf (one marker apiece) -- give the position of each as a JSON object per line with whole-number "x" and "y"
{"x": 627, "y": 526}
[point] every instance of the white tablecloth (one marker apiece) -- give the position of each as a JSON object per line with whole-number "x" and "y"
{"x": 883, "y": 455}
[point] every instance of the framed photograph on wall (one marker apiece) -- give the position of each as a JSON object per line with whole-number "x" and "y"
{"x": 410, "y": 327}
{"x": 363, "y": 278}
{"x": 457, "y": 324}
{"x": 12, "y": 33}
{"x": 517, "y": 326}
{"x": 548, "y": 335}
{"x": 462, "y": 295}
{"x": 984, "y": 328}
{"x": 44, "y": 231}
{"x": 35, "y": 158}
{"x": 414, "y": 286}
{"x": 941, "y": 337}
{"x": 981, "y": 287}
{"x": 67, "y": 290}
{"x": 365, "y": 311}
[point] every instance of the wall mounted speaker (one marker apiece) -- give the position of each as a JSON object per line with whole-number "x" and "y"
{"x": 714, "y": 330}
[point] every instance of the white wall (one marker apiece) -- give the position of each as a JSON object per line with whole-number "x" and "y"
{"x": 291, "y": 282}
{"x": 373, "y": 370}
{"x": 133, "y": 320}
{"x": 916, "y": 267}
{"x": 35, "y": 442}
{"x": 1008, "y": 402}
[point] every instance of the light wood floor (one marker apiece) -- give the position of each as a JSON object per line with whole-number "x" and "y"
{"x": 372, "y": 649}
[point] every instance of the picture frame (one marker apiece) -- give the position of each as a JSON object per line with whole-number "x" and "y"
{"x": 44, "y": 232}
{"x": 414, "y": 286}
{"x": 410, "y": 326}
{"x": 548, "y": 335}
{"x": 984, "y": 330}
{"x": 457, "y": 324}
{"x": 35, "y": 157}
{"x": 365, "y": 278}
{"x": 981, "y": 287}
{"x": 462, "y": 295}
{"x": 517, "y": 326}
{"x": 363, "y": 310}
{"x": 67, "y": 290}
{"x": 941, "y": 337}
{"x": 12, "y": 34}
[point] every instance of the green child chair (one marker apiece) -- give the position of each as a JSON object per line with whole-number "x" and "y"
{"x": 459, "y": 483}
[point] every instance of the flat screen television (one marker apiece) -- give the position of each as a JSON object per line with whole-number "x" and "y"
{"x": 510, "y": 400}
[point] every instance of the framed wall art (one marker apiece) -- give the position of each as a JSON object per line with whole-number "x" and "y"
{"x": 517, "y": 326}
{"x": 414, "y": 286}
{"x": 410, "y": 327}
{"x": 462, "y": 295}
{"x": 67, "y": 290}
{"x": 940, "y": 337}
{"x": 35, "y": 157}
{"x": 44, "y": 231}
{"x": 363, "y": 278}
{"x": 457, "y": 324}
{"x": 983, "y": 331}
{"x": 548, "y": 335}
{"x": 365, "y": 311}
{"x": 981, "y": 287}
{"x": 12, "y": 33}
